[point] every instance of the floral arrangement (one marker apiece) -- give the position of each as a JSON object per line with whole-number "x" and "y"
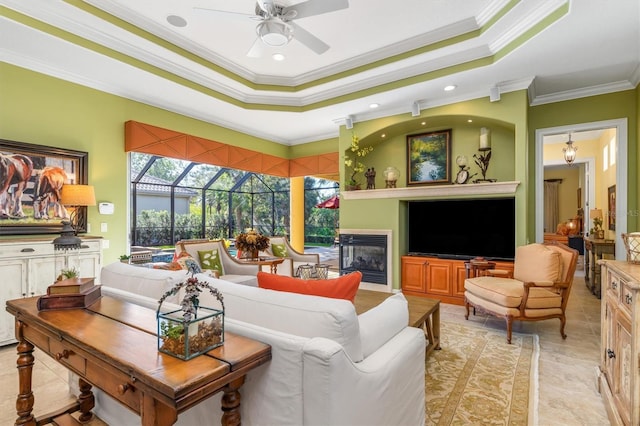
{"x": 251, "y": 241}
{"x": 354, "y": 165}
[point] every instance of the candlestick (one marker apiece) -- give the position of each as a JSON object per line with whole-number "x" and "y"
{"x": 485, "y": 139}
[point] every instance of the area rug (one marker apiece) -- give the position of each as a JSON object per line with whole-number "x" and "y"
{"x": 479, "y": 379}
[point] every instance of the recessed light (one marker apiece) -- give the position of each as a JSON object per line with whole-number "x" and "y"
{"x": 449, "y": 88}
{"x": 374, "y": 105}
{"x": 177, "y": 21}
{"x": 469, "y": 121}
{"x": 423, "y": 123}
{"x": 278, "y": 57}
{"x": 383, "y": 135}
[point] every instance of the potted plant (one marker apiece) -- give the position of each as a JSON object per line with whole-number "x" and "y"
{"x": 354, "y": 165}
{"x": 193, "y": 329}
{"x": 68, "y": 273}
{"x": 125, "y": 258}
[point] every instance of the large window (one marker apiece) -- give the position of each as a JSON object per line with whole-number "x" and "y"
{"x": 175, "y": 199}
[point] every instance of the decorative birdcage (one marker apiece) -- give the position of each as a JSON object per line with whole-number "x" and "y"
{"x": 192, "y": 330}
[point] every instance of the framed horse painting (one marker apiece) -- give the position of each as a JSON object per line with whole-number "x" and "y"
{"x": 31, "y": 179}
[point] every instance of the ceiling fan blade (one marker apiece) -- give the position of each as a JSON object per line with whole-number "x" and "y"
{"x": 225, "y": 12}
{"x": 316, "y": 7}
{"x": 308, "y": 39}
{"x": 257, "y": 50}
{"x": 266, "y": 6}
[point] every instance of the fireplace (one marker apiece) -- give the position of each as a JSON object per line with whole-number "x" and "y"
{"x": 367, "y": 251}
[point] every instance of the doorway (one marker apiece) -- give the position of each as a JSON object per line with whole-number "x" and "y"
{"x": 621, "y": 142}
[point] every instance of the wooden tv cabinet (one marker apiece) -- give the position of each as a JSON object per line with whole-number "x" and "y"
{"x": 438, "y": 278}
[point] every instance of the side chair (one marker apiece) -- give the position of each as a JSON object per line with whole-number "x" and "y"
{"x": 539, "y": 289}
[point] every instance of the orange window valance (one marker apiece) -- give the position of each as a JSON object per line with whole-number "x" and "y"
{"x": 148, "y": 139}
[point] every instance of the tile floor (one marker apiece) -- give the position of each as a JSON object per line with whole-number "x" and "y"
{"x": 567, "y": 390}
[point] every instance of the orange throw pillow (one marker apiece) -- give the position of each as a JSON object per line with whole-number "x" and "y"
{"x": 344, "y": 287}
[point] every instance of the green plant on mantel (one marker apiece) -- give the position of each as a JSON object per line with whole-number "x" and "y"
{"x": 354, "y": 165}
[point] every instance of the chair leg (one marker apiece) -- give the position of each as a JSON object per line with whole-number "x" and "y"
{"x": 509, "y": 319}
{"x": 466, "y": 305}
{"x": 563, "y": 321}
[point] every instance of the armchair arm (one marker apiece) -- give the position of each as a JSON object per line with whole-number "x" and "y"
{"x": 530, "y": 284}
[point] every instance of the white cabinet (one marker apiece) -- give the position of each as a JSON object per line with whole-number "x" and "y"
{"x": 28, "y": 267}
{"x": 620, "y": 352}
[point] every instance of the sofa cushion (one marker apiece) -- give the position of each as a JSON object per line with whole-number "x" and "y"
{"x": 279, "y": 250}
{"x": 344, "y": 287}
{"x": 537, "y": 262}
{"x": 299, "y": 314}
{"x": 172, "y": 266}
{"x": 187, "y": 262}
{"x": 210, "y": 259}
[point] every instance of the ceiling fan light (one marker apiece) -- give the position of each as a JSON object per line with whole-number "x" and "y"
{"x": 274, "y": 32}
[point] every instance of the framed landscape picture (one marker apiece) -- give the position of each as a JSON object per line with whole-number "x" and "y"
{"x": 429, "y": 158}
{"x": 31, "y": 178}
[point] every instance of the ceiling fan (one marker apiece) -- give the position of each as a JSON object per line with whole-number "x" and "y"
{"x": 277, "y": 28}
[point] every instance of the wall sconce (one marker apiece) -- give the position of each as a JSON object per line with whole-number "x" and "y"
{"x": 569, "y": 151}
{"x": 78, "y": 197}
{"x": 391, "y": 175}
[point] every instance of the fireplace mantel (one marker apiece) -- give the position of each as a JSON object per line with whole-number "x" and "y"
{"x": 494, "y": 188}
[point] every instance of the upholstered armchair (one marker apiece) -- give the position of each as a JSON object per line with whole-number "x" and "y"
{"x": 229, "y": 269}
{"x": 280, "y": 247}
{"x": 539, "y": 289}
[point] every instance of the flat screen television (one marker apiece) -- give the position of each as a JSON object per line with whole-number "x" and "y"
{"x": 463, "y": 229}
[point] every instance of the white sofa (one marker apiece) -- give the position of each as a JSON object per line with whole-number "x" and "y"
{"x": 329, "y": 366}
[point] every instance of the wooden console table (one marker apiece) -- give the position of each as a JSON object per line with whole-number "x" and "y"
{"x": 112, "y": 345}
{"x": 594, "y": 250}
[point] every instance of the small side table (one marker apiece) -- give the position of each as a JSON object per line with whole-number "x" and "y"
{"x": 476, "y": 268}
{"x": 273, "y": 262}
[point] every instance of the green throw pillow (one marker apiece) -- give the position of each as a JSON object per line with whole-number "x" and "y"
{"x": 279, "y": 250}
{"x": 210, "y": 259}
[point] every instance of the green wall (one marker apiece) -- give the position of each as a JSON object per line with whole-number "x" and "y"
{"x": 507, "y": 120}
{"x": 43, "y": 110}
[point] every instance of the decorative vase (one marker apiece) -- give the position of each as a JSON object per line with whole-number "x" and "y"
{"x": 249, "y": 254}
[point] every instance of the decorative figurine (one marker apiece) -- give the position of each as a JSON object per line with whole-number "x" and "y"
{"x": 370, "y": 174}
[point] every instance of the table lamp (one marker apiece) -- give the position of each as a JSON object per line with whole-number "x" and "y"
{"x": 78, "y": 197}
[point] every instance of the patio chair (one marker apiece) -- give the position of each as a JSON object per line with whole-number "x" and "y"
{"x": 280, "y": 247}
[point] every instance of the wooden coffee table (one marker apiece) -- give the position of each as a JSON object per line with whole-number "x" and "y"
{"x": 423, "y": 313}
{"x": 112, "y": 345}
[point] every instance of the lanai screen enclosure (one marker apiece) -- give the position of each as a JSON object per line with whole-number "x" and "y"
{"x": 174, "y": 200}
